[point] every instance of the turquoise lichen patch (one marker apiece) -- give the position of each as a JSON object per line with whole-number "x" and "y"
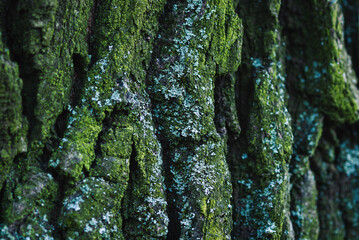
{"x": 307, "y": 130}
{"x": 28, "y": 208}
{"x": 325, "y": 73}
{"x": 304, "y": 213}
{"x": 260, "y": 180}
{"x": 90, "y": 211}
{"x": 199, "y": 40}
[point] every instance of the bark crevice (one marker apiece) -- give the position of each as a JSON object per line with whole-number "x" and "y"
{"x": 133, "y": 167}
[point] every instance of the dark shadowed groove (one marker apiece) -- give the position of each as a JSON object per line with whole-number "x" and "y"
{"x": 218, "y": 103}
{"x": 244, "y": 101}
{"x": 224, "y": 124}
{"x": 245, "y": 85}
{"x": 174, "y": 226}
{"x": 56, "y": 213}
{"x": 78, "y": 78}
{"x": 3, "y": 12}
{"x": 50, "y": 147}
{"x": 132, "y": 176}
{"x": 5, "y": 15}
{"x": 246, "y": 93}
{"x": 351, "y": 33}
{"x": 2, "y": 195}
{"x": 80, "y": 68}
{"x": 245, "y": 90}
{"x": 29, "y": 75}
{"x": 91, "y": 31}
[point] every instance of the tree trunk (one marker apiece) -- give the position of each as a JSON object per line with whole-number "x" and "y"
{"x": 197, "y": 119}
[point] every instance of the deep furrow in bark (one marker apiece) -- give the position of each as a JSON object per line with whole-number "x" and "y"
{"x": 133, "y": 166}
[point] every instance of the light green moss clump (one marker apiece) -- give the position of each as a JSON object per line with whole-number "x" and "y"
{"x": 111, "y": 134}
{"x": 77, "y": 72}
{"x": 13, "y": 126}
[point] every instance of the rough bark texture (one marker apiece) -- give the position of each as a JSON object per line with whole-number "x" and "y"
{"x": 196, "y": 119}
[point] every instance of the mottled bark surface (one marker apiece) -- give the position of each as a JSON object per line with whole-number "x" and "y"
{"x": 196, "y": 119}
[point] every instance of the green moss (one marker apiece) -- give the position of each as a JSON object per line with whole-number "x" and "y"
{"x": 109, "y": 88}
{"x": 114, "y": 91}
{"x": 198, "y": 42}
{"x": 116, "y": 149}
{"x": 13, "y": 126}
{"x": 52, "y": 50}
{"x": 91, "y": 210}
{"x": 322, "y": 64}
{"x": 261, "y": 177}
{"x": 29, "y": 206}
{"x": 76, "y": 150}
{"x": 144, "y": 204}
{"x": 44, "y": 44}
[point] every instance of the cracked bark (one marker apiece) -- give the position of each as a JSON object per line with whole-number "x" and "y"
{"x": 150, "y": 119}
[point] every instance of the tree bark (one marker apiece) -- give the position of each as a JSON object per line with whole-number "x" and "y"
{"x": 197, "y": 119}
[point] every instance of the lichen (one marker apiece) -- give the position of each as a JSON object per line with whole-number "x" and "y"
{"x": 261, "y": 171}
{"x": 199, "y": 40}
{"x": 146, "y": 119}
{"x": 319, "y": 59}
{"x": 90, "y": 210}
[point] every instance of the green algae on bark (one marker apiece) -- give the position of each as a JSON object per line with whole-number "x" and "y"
{"x": 322, "y": 85}
{"x": 261, "y": 178}
{"x": 115, "y": 87}
{"x": 114, "y": 81}
{"x": 198, "y": 40}
{"x": 130, "y": 119}
{"x": 331, "y": 223}
{"x": 13, "y": 126}
{"x": 316, "y": 49}
{"x": 307, "y": 129}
